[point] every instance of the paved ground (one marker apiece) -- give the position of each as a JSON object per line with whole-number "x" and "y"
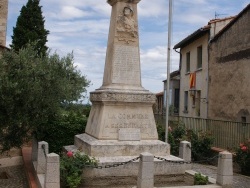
{"x": 239, "y": 181}
{"x": 17, "y": 177}
{"x": 13, "y": 177}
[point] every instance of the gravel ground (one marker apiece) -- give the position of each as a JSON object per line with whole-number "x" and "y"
{"x": 13, "y": 177}
{"x": 239, "y": 181}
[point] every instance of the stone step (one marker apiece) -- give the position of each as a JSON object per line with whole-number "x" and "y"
{"x": 113, "y": 148}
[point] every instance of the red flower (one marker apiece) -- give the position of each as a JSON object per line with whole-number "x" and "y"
{"x": 241, "y": 145}
{"x": 70, "y": 154}
{"x": 244, "y": 148}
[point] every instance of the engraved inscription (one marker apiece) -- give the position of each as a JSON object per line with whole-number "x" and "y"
{"x": 116, "y": 121}
{"x": 122, "y": 97}
{"x": 129, "y": 135}
{"x": 126, "y": 67}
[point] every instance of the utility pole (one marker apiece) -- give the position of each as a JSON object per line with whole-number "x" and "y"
{"x": 168, "y": 67}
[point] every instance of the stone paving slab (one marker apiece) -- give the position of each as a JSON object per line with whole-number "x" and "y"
{"x": 16, "y": 177}
{"x": 239, "y": 181}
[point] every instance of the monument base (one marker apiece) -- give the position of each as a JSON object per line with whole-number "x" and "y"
{"x": 112, "y": 152}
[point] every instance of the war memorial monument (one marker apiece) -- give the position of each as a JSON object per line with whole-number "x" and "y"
{"x": 121, "y": 123}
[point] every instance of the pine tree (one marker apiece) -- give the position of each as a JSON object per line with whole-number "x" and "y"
{"x": 30, "y": 28}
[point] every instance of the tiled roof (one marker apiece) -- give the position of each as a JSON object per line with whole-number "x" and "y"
{"x": 200, "y": 32}
{"x": 197, "y": 34}
{"x": 247, "y": 8}
{"x": 159, "y": 94}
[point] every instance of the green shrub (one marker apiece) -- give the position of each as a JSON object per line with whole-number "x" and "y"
{"x": 71, "y": 168}
{"x": 201, "y": 142}
{"x": 243, "y": 157}
{"x": 61, "y": 131}
{"x": 200, "y": 180}
{"x": 161, "y": 132}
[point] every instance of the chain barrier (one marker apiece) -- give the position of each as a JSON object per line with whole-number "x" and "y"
{"x": 186, "y": 162}
{"x": 43, "y": 147}
{"x": 172, "y": 161}
{"x": 113, "y": 165}
{"x": 204, "y": 159}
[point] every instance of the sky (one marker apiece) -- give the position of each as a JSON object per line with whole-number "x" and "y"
{"x": 82, "y": 26}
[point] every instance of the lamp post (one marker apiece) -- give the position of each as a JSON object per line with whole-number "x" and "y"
{"x": 168, "y": 67}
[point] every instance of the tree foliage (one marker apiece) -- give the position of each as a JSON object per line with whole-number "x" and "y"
{"x": 32, "y": 92}
{"x": 30, "y": 28}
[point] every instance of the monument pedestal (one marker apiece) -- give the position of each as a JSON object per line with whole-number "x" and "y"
{"x": 111, "y": 152}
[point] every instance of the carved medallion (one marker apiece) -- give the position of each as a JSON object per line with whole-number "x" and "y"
{"x": 127, "y": 27}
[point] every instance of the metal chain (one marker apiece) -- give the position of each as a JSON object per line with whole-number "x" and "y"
{"x": 186, "y": 162}
{"x": 208, "y": 159}
{"x": 113, "y": 165}
{"x": 172, "y": 161}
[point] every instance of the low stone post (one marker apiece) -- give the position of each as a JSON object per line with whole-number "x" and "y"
{"x": 185, "y": 153}
{"x": 185, "y": 150}
{"x": 146, "y": 171}
{"x": 225, "y": 169}
{"x": 34, "y": 149}
{"x": 41, "y": 157}
{"x": 52, "y": 174}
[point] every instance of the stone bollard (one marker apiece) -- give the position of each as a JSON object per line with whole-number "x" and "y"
{"x": 185, "y": 153}
{"x": 225, "y": 169}
{"x": 145, "y": 177}
{"x": 34, "y": 149}
{"x": 52, "y": 174}
{"x": 185, "y": 150}
{"x": 41, "y": 157}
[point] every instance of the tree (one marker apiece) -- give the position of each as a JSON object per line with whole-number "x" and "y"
{"x": 33, "y": 91}
{"x": 30, "y": 28}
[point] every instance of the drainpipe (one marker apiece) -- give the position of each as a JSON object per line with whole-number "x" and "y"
{"x": 208, "y": 61}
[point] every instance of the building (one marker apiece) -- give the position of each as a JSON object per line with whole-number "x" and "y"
{"x": 229, "y": 71}
{"x": 194, "y": 69}
{"x": 3, "y": 21}
{"x": 158, "y": 107}
{"x": 174, "y": 92}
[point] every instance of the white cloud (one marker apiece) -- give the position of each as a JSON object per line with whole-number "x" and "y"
{"x": 83, "y": 26}
{"x": 69, "y": 13}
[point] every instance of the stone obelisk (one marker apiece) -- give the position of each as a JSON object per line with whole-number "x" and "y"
{"x": 122, "y": 102}
{"x": 121, "y": 123}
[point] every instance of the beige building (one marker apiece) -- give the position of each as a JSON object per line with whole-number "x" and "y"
{"x": 174, "y": 93}
{"x": 229, "y": 71}
{"x": 3, "y": 21}
{"x": 194, "y": 69}
{"x": 3, "y": 24}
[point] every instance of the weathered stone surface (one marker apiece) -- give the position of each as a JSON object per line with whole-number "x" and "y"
{"x": 161, "y": 168}
{"x": 109, "y": 148}
{"x": 3, "y": 21}
{"x": 106, "y": 119}
{"x": 129, "y": 134}
{"x": 229, "y": 77}
{"x": 225, "y": 169}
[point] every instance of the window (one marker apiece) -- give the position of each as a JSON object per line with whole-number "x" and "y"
{"x": 188, "y": 62}
{"x": 243, "y": 119}
{"x": 198, "y": 103}
{"x": 186, "y": 102}
{"x": 199, "y": 57}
